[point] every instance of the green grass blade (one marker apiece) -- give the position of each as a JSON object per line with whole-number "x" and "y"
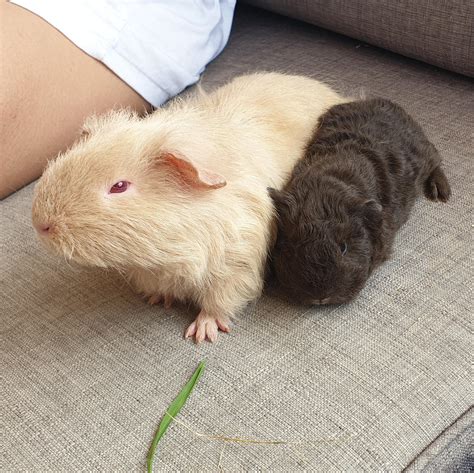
{"x": 173, "y": 410}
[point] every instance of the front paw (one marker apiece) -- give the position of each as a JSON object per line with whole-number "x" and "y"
{"x": 207, "y": 327}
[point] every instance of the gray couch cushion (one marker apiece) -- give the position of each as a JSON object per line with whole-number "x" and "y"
{"x": 439, "y": 32}
{"x": 88, "y": 368}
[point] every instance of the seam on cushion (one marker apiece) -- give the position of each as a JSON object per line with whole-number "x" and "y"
{"x": 448, "y": 444}
{"x": 438, "y": 437}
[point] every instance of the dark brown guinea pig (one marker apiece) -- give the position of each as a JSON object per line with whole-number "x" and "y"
{"x": 354, "y": 188}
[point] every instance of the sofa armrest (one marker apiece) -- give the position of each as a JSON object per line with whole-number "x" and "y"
{"x": 439, "y": 32}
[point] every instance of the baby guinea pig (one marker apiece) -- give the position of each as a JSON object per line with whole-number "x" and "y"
{"x": 348, "y": 196}
{"x": 177, "y": 202}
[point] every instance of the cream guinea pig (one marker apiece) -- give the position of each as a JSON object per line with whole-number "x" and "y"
{"x": 177, "y": 201}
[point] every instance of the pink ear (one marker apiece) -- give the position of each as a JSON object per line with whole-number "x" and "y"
{"x": 195, "y": 177}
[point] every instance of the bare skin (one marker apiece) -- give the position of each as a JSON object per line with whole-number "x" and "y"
{"x": 48, "y": 87}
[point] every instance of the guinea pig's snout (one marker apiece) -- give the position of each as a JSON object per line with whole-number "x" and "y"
{"x": 43, "y": 228}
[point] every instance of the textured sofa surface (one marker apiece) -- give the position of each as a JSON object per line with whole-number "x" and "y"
{"x": 378, "y": 385}
{"x": 440, "y": 32}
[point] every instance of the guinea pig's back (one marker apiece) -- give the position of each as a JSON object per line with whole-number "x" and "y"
{"x": 381, "y": 122}
{"x": 389, "y": 148}
{"x": 270, "y": 117}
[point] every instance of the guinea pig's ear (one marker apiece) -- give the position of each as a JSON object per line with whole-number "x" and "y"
{"x": 195, "y": 176}
{"x": 90, "y": 125}
{"x": 277, "y": 196}
{"x": 281, "y": 197}
{"x": 284, "y": 202}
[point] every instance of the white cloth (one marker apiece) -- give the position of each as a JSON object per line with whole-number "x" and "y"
{"x": 158, "y": 47}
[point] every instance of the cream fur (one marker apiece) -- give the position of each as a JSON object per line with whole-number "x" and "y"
{"x": 204, "y": 246}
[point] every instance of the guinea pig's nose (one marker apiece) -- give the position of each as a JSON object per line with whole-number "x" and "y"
{"x": 43, "y": 228}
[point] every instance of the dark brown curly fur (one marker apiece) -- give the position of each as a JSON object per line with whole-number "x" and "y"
{"x": 348, "y": 196}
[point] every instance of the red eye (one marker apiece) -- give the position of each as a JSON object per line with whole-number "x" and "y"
{"x": 118, "y": 187}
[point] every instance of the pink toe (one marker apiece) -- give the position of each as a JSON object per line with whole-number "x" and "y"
{"x": 212, "y": 332}
{"x": 190, "y": 332}
{"x": 168, "y": 302}
{"x": 154, "y": 299}
{"x": 224, "y": 327}
{"x": 201, "y": 333}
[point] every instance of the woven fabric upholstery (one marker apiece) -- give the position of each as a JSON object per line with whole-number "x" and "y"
{"x": 88, "y": 368}
{"x": 440, "y": 32}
